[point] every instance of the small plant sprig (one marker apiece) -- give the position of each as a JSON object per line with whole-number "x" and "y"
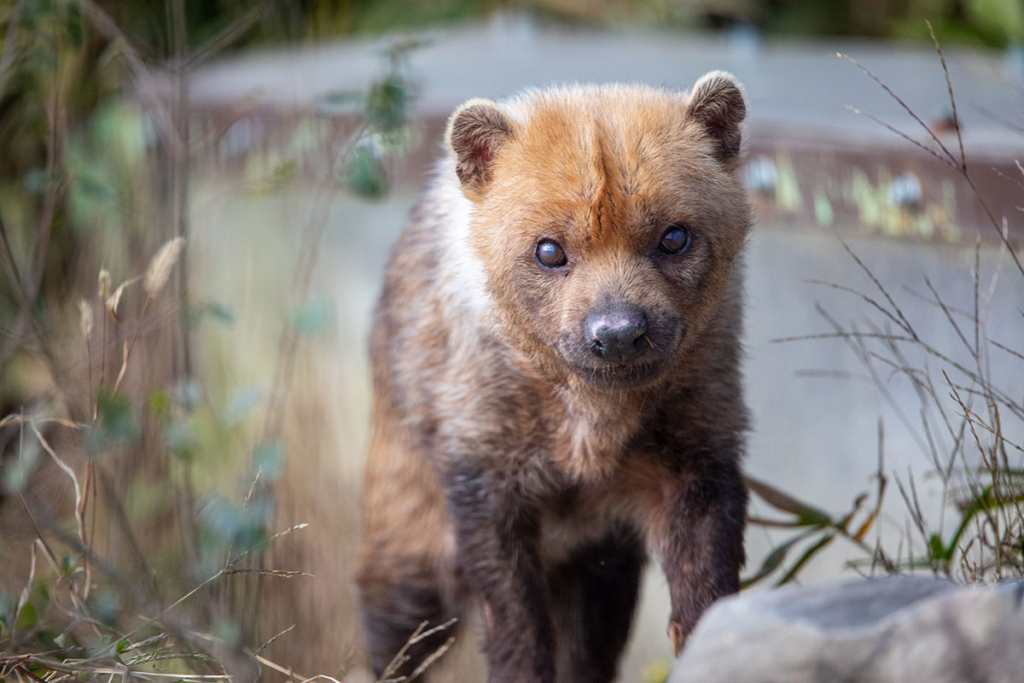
{"x": 153, "y": 281}
{"x": 91, "y": 639}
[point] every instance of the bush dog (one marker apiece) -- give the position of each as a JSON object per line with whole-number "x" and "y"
{"x": 556, "y": 372}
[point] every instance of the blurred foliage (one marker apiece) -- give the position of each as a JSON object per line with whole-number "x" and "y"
{"x": 141, "y": 509}
{"x": 78, "y": 156}
{"x": 984, "y": 22}
{"x": 83, "y": 609}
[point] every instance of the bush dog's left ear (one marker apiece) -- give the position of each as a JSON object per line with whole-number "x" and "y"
{"x": 476, "y": 131}
{"x": 716, "y": 102}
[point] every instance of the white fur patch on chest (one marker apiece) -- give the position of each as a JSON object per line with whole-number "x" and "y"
{"x": 463, "y": 278}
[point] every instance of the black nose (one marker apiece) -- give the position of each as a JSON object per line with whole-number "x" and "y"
{"x": 617, "y": 334}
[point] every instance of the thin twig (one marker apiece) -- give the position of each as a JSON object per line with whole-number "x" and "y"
{"x": 900, "y": 101}
{"x": 267, "y": 644}
{"x": 850, "y": 290}
{"x": 906, "y": 326}
{"x": 897, "y": 131}
{"x": 952, "y": 100}
{"x": 973, "y": 350}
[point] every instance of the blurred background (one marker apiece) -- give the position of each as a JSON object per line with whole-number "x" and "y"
{"x": 197, "y": 200}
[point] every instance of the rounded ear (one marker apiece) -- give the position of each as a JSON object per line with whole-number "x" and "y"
{"x": 716, "y": 102}
{"x": 476, "y": 131}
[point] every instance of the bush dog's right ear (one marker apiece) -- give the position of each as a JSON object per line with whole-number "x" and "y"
{"x": 476, "y": 131}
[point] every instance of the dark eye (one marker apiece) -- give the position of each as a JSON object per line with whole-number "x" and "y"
{"x": 676, "y": 240}
{"x": 550, "y": 254}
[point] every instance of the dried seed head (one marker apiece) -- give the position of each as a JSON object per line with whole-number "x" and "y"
{"x": 160, "y": 267}
{"x": 85, "y": 318}
{"x": 114, "y": 300}
{"x": 104, "y": 284}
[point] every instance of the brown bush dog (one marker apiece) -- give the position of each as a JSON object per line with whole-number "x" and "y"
{"x": 556, "y": 368}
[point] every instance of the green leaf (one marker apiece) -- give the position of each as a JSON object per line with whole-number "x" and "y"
{"x": 7, "y": 605}
{"x": 936, "y": 548}
{"x": 269, "y": 458}
{"x": 387, "y": 103}
{"x": 986, "y": 500}
{"x": 27, "y": 617}
{"x": 36, "y": 12}
{"x": 117, "y": 422}
{"x": 73, "y": 25}
{"x": 243, "y": 526}
{"x": 285, "y": 172}
{"x": 16, "y": 471}
{"x": 365, "y": 172}
{"x": 242, "y": 403}
{"x": 95, "y": 186}
{"x": 815, "y": 518}
{"x": 806, "y": 514}
{"x": 311, "y": 319}
{"x": 794, "y": 571}
{"x": 188, "y": 393}
{"x": 228, "y": 632}
{"x": 774, "y": 559}
{"x": 159, "y": 403}
{"x": 394, "y": 142}
{"x": 209, "y": 309}
{"x": 105, "y": 606}
{"x": 41, "y": 591}
{"x": 180, "y": 437}
{"x": 220, "y": 312}
{"x": 122, "y": 645}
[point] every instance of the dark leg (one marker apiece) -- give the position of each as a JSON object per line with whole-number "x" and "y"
{"x": 392, "y": 611}
{"x": 701, "y": 545}
{"x": 593, "y": 598}
{"x": 496, "y": 534}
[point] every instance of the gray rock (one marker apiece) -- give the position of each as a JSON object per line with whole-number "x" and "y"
{"x": 896, "y": 630}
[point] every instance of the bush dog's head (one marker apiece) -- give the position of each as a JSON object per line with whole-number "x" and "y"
{"x": 607, "y": 219}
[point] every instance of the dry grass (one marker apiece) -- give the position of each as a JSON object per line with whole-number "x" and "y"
{"x": 140, "y": 521}
{"x": 968, "y": 421}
